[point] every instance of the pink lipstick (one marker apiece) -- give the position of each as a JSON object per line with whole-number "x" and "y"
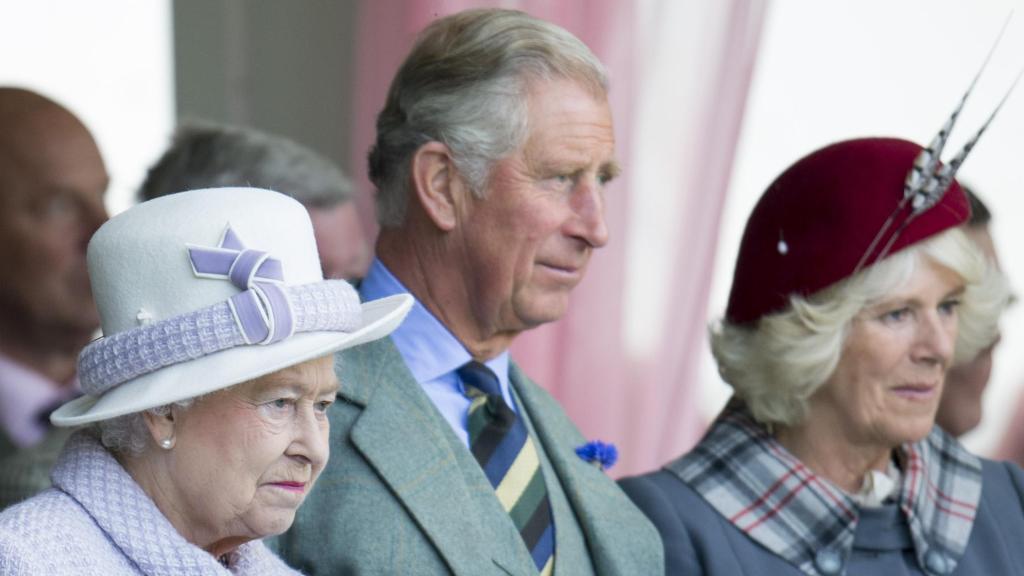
{"x": 916, "y": 391}
{"x": 299, "y": 487}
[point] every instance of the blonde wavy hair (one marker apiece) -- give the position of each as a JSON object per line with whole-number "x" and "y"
{"x": 777, "y": 364}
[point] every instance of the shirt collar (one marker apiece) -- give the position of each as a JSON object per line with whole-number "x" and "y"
{"x": 429, "y": 349}
{"x": 768, "y": 494}
{"x": 24, "y": 395}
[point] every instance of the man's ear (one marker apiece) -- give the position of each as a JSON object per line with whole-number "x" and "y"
{"x": 437, "y": 184}
{"x": 161, "y": 427}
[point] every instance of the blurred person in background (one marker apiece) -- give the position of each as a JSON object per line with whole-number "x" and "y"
{"x": 1011, "y": 445}
{"x": 210, "y": 156}
{"x": 960, "y": 410}
{"x": 52, "y": 184}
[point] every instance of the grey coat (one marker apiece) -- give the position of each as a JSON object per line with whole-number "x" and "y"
{"x": 25, "y": 472}
{"x": 698, "y": 540}
{"x": 402, "y": 494}
{"x": 97, "y": 521}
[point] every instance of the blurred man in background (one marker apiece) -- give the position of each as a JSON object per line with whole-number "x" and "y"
{"x": 960, "y": 409}
{"x": 52, "y": 183}
{"x": 211, "y": 156}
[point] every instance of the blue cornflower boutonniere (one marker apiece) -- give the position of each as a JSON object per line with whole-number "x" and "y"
{"x": 603, "y": 455}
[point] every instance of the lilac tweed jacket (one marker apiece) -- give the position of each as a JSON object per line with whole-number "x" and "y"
{"x": 96, "y": 520}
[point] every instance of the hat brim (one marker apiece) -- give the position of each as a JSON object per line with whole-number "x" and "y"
{"x": 229, "y": 367}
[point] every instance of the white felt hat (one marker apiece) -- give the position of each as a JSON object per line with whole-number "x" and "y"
{"x": 201, "y": 290}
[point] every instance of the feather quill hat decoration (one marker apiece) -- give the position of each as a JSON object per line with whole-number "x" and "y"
{"x": 929, "y": 179}
{"x": 844, "y": 207}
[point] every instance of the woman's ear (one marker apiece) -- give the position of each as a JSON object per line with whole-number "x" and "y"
{"x": 437, "y": 184}
{"x": 161, "y": 427}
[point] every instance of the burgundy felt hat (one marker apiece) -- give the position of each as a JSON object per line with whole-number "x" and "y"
{"x": 829, "y": 215}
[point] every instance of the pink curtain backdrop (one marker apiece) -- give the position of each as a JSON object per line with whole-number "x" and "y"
{"x": 647, "y": 407}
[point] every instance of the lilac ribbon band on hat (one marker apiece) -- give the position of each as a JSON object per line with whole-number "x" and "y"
{"x": 262, "y": 308}
{"x": 263, "y": 313}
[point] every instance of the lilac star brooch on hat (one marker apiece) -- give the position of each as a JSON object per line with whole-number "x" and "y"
{"x": 601, "y": 454}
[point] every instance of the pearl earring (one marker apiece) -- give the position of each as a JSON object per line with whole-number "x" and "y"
{"x": 167, "y": 443}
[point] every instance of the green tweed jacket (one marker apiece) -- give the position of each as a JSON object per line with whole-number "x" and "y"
{"x": 402, "y": 494}
{"x": 24, "y": 472}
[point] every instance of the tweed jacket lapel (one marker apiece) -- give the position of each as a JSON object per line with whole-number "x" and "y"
{"x": 768, "y": 494}
{"x": 620, "y": 539}
{"x": 422, "y": 468}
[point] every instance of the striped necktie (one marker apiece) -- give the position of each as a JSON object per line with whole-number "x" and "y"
{"x": 503, "y": 448}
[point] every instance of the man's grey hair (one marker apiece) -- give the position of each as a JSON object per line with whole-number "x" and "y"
{"x": 211, "y": 156}
{"x": 776, "y": 365}
{"x": 465, "y": 84}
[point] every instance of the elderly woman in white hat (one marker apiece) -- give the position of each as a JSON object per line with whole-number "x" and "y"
{"x": 206, "y": 397}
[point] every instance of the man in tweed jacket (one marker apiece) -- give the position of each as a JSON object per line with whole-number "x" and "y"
{"x": 52, "y": 182}
{"x": 492, "y": 152}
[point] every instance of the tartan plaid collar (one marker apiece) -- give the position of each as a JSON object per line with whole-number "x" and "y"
{"x": 767, "y": 493}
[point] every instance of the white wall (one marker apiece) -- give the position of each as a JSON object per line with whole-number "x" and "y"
{"x": 832, "y": 70}
{"x": 109, "y": 62}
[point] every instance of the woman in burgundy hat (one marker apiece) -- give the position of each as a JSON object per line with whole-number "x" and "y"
{"x": 854, "y": 288}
